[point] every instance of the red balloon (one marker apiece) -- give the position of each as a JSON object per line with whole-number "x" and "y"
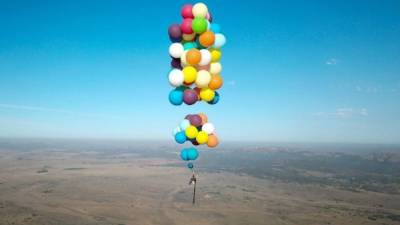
{"x": 186, "y": 26}
{"x": 187, "y": 11}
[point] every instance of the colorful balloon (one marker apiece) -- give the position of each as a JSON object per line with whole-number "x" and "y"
{"x": 220, "y": 41}
{"x": 176, "y": 63}
{"x": 199, "y": 25}
{"x": 216, "y": 28}
{"x": 186, "y": 26}
{"x": 205, "y": 57}
{"x": 203, "y": 79}
{"x": 176, "y": 97}
{"x": 203, "y": 117}
{"x": 174, "y": 32}
{"x": 190, "y": 96}
{"x": 184, "y": 124}
{"x": 215, "y": 68}
{"x": 215, "y": 82}
{"x": 208, "y": 128}
{"x": 206, "y": 94}
{"x": 202, "y": 137}
{"x": 189, "y": 74}
{"x": 186, "y": 11}
{"x": 212, "y": 141}
{"x": 193, "y": 56}
{"x": 215, "y": 100}
{"x": 175, "y": 77}
{"x": 180, "y": 137}
{"x": 215, "y": 55}
{"x": 191, "y": 132}
{"x": 195, "y": 120}
{"x": 207, "y": 39}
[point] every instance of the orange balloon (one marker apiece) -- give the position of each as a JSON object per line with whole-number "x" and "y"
{"x": 212, "y": 141}
{"x": 216, "y": 82}
{"x": 207, "y": 39}
{"x": 204, "y": 118}
{"x": 193, "y": 56}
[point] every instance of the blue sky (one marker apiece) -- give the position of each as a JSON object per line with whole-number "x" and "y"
{"x": 293, "y": 70}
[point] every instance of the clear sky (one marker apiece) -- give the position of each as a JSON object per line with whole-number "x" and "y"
{"x": 294, "y": 70}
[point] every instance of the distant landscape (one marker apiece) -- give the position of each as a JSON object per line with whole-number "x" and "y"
{"x": 121, "y": 182}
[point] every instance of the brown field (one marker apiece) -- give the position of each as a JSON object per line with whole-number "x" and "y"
{"x": 89, "y": 187}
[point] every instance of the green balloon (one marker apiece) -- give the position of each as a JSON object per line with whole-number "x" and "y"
{"x": 199, "y": 25}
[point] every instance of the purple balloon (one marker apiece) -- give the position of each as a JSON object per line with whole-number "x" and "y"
{"x": 176, "y": 63}
{"x": 195, "y": 120}
{"x": 175, "y": 32}
{"x": 190, "y": 96}
{"x": 188, "y": 116}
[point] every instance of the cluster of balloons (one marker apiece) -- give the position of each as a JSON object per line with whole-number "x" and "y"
{"x": 195, "y": 52}
{"x": 196, "y": 129}
{"x": 188, "y": 154}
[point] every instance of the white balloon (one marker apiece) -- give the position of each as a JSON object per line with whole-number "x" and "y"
{"x": 184, "y": 124}
{"x": 176, "y": 77}
{"x": 205, "y": 57}
{"x": 176, "y": 50}
{"x": 203, "y": 79}
{"x": 208, "y": 128}
{"x": 176, "y": 130}
{"x": 220, "y": 41}
{"x": 183, "y": 58}
{"x": 215, "y": 68}
{"x": 200, "y": 10}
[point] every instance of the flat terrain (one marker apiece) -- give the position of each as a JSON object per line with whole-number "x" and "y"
{"x": 108, "y": 182}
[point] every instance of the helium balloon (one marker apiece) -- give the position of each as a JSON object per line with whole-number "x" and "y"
{"x": 202, "y": 137}
{"x": 206, "y": 94}
{"x": 180, "y": 137}
{"x": 207, "y": 39}
{"x": 183, "y": 58}
{"x": 191, "y": 132}
{"x": 220, "y": 40}
{"x": 215, "y": 68}
{"x": 190, "y": 165}
{"x": 215, "y": 28}
{"x": 190, "y": 96}
{"x": 193, "y": 56}
{"x": 216, "y": 82}
{"x": 199, "y": 25}
{"x": 208, "y": 128}
{"x": 176, "y": 130}
{"x": 203, "y": 79}
{"x": 186, "y": 11}
{"x": 184, "y": 124}
{"x": 203, "y": 118}
{"x": 176, "y": 97}
{"x": 175, "y": 77}
{"x": 215, "y": 55}
{"x": 175, "y": 32}
{"x": 192, "y": 153}
{"x": 176, "y": 63}
{"x": 212, "y": 141}
{"x": 186, "y": 26}
{"x": 189, "y": 37}
{"x": 189, "y": 74}
{"x": 215, "y": 100}
{"x": 205, "y": 57}
{"x": 176, "y": 50}
{"x": 194, "y": 142}
{"x": 184, "y": 154}
{"x": 195, "y": 120}
{"x": 189, "y": 45}
{"x": 200, "y": 10}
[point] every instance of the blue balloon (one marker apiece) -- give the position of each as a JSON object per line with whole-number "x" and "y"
{"x": 184, "y": 154}
{"x": 189, "y": 154}
{"x": 216, "y": 28}
{"x": 176, "y": 97}
{"x": 180, "y": 137}
{"x": 189, "y": 45}
{"x": 190, "y": 165}
{"x": 192, "y": 153}
{"x": 215, "y": 99}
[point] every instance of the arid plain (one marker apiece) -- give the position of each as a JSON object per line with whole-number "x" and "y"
{"x": 100, "y": 182}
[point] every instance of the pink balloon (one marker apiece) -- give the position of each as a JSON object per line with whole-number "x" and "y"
{"x": 187, "y": 11}
{"x": 186, "y": 26}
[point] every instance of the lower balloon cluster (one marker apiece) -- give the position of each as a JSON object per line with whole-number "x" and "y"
{"x": 196, "y": 129}
{"x": 190, "y": 96}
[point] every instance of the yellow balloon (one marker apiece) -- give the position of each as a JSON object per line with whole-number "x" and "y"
{"x": 206, "y": 94}
{"x": 215, "y": 55}
{"x": 189, "y": 74}
{"x": 191, "y": 132}
{"x": 215, "y": 68}
{"x": 202, "y": 137}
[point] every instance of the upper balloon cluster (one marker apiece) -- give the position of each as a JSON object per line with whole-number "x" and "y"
{"x": 195, "y": 52}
